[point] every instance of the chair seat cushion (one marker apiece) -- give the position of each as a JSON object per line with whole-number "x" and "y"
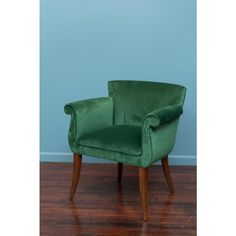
{"x": 120, "y": 138}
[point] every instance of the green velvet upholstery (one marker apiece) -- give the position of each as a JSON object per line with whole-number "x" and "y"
{"x": 135, "y": 99}
{"x": 88, "y": 116}
{"x": 163, "y": 115}
{"x": 120, "y": 138}
{"x": 135, "y": 125}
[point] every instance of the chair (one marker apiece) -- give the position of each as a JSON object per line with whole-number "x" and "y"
{"x": 135, "y": 125}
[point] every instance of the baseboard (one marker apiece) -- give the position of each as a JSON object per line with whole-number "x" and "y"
{"x": 175, "y": 160}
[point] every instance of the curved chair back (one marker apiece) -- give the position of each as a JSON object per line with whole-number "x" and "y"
{"x": 134, "y": 99}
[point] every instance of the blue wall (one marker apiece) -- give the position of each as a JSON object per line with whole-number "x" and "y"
{"x": 85, "y": 43}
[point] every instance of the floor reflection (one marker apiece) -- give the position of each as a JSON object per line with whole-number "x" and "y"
{"x": 123, "y": 222}
{"x": 164, "y": 214}
{"x": 76, "y": 215}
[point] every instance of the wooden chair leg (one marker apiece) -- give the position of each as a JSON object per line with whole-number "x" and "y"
{"x": 143, "y": 182}
{"x": 166, "y": 170}
{"x": 120, "y": 169}
{"x": 76, "y": 174}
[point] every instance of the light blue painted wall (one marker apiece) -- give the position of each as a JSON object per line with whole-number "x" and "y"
{"x": 85, "y": 43}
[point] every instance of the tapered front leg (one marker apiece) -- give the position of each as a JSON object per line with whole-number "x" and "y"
{"x": 76, "y": 174}
{"x": 120, "y": 170}
{"x": 143, "y": 185}
{"x": 166, "y": 170}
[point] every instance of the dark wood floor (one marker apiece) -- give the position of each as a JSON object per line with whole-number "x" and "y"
{"x": 102, "y": 207}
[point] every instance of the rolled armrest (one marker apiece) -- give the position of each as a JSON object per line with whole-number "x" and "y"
{"x": 88, "y": 104}
{"x": 155, "y": 144}
{"x": 88, "y": 116}
{"x": 163, "y": 115}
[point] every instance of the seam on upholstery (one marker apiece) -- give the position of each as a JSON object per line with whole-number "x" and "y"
{"x": 108, "y": 149}
{"x": 75, "y": 126}
{"x": 73, "y": 117}
{"x": 150, "y": 137}
{"x": 136, "y": 158}
{"x": 143, "y": 126}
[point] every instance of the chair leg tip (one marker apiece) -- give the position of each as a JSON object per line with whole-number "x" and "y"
{"x": 172, "y": 191}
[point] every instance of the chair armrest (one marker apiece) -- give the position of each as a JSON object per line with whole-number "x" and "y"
{"x": 162, "y": 115}
{"x": 159, "y": 132}
{"x": 88, "y": 116}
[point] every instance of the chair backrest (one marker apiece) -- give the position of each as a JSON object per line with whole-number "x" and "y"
{"x": 134, "y": 99}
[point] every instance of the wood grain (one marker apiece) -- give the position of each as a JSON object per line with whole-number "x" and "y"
{"x": 76, "y": 174}
{"x": 166, "y": 171}
{"x": 143, "y": 186}
{"x": 104, "y": 207}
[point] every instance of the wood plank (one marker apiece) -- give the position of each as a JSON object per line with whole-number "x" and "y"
{"x": 102, "y": 206}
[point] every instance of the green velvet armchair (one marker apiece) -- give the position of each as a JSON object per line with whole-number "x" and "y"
{"x": 135, "y": 125}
